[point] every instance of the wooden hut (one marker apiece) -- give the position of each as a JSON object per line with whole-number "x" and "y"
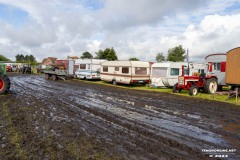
{"x": 233, "y": 67}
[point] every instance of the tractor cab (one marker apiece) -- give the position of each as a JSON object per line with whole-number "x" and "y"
{"x": 195, "y": 82}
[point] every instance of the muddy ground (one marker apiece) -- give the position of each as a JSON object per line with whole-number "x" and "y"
{"x": 44, "y": 119}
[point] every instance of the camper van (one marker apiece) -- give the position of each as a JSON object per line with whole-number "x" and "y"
{"x": 166, "y": 74}
{"x": 88, "y": 68}
{"x": 216, "y": 64}
{"x": 125, "y": 72}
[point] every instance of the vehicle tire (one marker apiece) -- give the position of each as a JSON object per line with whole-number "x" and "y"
{"x": 211, "y": 85}
{"x": 4, "y": 84}
{"x": 47, "y": 76}
{"x": 175, "y": 89}
{"x": 193, "y": 90}
{"x": 114, "y": 82}
{"x": 54, "y": 77}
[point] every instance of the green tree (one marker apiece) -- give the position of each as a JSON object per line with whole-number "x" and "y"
{"x": 160, "y": 57}
{"x": 87, "y": 55}
{"x": 133, "y": 59}
{"x": 3, "y": 58}
{"x": 176, "y": 54}
{"x": 108, "y": 54}
{"x": 26, "y": 59}
{"x": 19, "y": 58}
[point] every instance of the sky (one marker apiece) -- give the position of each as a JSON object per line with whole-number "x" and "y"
{"x": 134, "y": 28}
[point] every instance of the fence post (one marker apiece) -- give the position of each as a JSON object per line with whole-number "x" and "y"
{"x": 236, "y": 94}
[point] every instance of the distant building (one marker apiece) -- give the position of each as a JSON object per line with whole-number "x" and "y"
{"x": 72, "y": 57}
{"x": 49, "y": 61}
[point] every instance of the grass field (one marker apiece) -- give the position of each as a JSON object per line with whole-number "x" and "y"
{"x": 216, "y": 97}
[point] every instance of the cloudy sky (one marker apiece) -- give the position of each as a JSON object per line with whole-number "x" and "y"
{"x": 134, "y": 28}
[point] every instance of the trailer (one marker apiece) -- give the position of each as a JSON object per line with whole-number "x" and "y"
{"x": 233, "y": 67}
{"x": 166, "y": 74}
{"x": 216, "y": 64}
{"x": 125, "y": 72}
{"x": 88, "y": 68}
{"x": 57, "y": 73}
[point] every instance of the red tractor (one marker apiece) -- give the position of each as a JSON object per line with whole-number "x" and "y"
{"x": 206, "y": 82}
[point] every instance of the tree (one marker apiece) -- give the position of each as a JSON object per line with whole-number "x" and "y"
{"x": 133, "y": 59}
{"x": 20, "y": 58}
{"x": 26, "y": 59}
{"x": 87, "y": 55}
{"x": 160, "y": 57}
{"x": 108, "y": 54}
{"x": 176, "y": 54}
{"x": 111, "y": 54}
{"x": 3, "y": 58}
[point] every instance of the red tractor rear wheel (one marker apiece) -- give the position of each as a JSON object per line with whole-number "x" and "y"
{"x": 4, "y": 84}
{"x": 211, "y": 85}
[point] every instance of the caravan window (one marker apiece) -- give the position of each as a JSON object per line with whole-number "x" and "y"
{"x": 217, "y": 66}
{"x": 174, "y": 72}
{"x": 105, "y": 69}
{"x": 158, "y": 72}
{"x": 116, "y": 68}
{"x": 140, "y": 71}
{"x": 88, "y": 66}
{"x": 82, "y": 66}
{"x": 125, "y": 70}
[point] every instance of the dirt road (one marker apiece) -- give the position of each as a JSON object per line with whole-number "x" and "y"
{"x": 44, "y": 119}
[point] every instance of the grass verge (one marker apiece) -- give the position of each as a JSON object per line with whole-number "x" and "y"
{"x": 201, "y": 95}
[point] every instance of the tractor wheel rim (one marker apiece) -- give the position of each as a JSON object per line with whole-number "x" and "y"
{"x": 213, "y": 87}
{"x": 1, "y": 84}
{"x": 194, "y": 91}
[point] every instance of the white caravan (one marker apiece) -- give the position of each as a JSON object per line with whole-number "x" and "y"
{"x": 216, "y": 64}
{"x": 166, "y": 74}
{"x": 88, "y": 68}
{"x": 125, "y": 72}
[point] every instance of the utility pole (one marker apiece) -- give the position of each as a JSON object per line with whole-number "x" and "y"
{"x": 187, "y": 56}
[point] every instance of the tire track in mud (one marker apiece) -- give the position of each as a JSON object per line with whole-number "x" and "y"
{"x": 135, "y": 123}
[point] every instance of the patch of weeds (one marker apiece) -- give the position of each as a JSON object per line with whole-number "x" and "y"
{"x": 15, "y": 137}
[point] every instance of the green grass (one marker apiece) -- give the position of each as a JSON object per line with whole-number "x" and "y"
{"x": 201, "y": 95}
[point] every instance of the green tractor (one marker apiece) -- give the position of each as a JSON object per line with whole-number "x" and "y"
{"x": 4, "y": 80}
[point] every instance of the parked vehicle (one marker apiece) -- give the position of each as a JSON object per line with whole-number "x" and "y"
{"x": 4, "y": 80}
{"x": 125, "y": 72}
{"x": 88, "y": 68}
{"x": 166, "y": 74}
{"x": 216, "y": 64}
{"x": 205, "y": 81}
{"x": 56, "y": 73}
{"x": 233, "y": 67}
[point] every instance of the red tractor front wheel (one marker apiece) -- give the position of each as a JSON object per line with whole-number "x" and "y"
{"x": 175, "y": 89}
{"x": 4, "y": 84}
{"x": 193, "y": 90}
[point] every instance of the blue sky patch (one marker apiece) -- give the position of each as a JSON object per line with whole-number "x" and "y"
{"x": 12, "y": 15}
{"x": 93, "y": 4}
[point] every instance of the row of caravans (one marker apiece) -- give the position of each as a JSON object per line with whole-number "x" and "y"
{"x": 159, "y": 74}
{"x": 129, "y": 72}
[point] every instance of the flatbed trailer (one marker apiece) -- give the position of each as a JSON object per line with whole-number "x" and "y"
{"x": 56, "y": 74}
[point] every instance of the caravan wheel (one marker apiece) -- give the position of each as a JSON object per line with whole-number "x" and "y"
{"x": 114, "y": 82}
